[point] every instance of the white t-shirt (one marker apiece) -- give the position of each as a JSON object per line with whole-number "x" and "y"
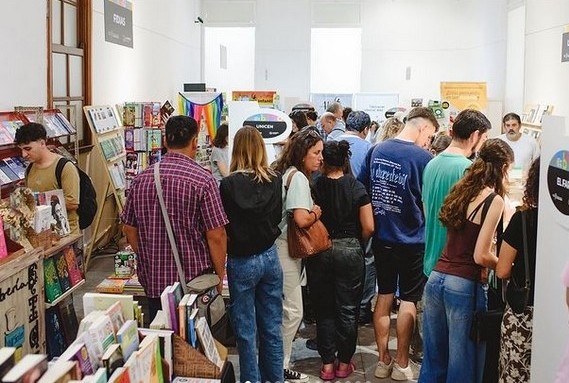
{"x": 297, "y": 197}
{"x": 525, "y": 150}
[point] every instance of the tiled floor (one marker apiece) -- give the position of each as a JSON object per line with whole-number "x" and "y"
{"x": 303, "y": 359}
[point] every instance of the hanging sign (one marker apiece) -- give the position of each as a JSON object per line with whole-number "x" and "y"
{"x": 118, "y": 22}
{"x": 274, "y": 125}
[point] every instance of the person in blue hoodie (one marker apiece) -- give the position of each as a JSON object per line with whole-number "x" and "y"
{"x": 252, "y": 200}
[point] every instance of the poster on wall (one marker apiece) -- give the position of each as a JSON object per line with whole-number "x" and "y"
{"x": 321, "y": 101}
{"x": 266, "y": 99}
{"x": 550, "y": 344}
{"x": 375, "y": 104}
{"x": 465, "y": 95}
{"x": 565, "y": 47}
{"x": 118, "y": 22}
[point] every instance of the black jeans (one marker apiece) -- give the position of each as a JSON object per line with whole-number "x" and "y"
{"x": 336, "y": 280}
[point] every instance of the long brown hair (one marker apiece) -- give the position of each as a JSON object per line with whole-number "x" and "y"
{"x": 295, "y": 150}
{"x": 531, "y": 191}
{"x": 249, "y": 154}
{"x": 486, "y": 171}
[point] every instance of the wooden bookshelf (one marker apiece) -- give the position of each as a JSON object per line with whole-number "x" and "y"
{"x": 65, "y": 294}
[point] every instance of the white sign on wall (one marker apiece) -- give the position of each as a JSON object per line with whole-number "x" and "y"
{"x": 550, "y": 330}
{"x": 375, "y": 104}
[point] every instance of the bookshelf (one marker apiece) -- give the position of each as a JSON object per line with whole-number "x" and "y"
{"x": 65, "y": 294}
{"x": 532, "y": 117}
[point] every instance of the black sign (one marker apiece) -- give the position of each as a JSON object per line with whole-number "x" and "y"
{"x": 565, "y": 47}
{"x": 118, "y": 23}
{"x": 558, "y": 181}
{"x": 268, "y": 129}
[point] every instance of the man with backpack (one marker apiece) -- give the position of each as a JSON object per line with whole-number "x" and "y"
{"x": 41, "y": 174}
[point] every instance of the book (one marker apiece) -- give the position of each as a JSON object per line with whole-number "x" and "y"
{"x": 207, "y": 343}
{"x": 191, "y": 324}
{"x": 164, "y": 301}
{"x": 166, "y": 111}
{"x": 120, "y": 375}
{"x": 62, "y": 371}
{"x": 7, "y": 359}
{"x": 15, "y": 167}
{"x": 88, "y": 320}
{"x": 56, "y": 339}
{"x": 108, "y": 285}
{"x": 101, "y": 335}
{"x": 51, "y": 281}
{"x": 113, "y": 358}
{"x": 4, "y": 179}
{"x": 42, "y": 216}
{"x": 129, "y": 114}
{"x": 97, "y": 301}
{"x": 56, "y": 199}
{"x": 182, "y": 316}
{"x": 160, "y": 321}
{"x": 127, "y": 337}
{"x": 62, "y": 271}
{"x": 29, "y": 369}
{"x": 154, "y": 139}
{"x": 114, "y": 312}
{"x": 65, "y": 123}
{"x": 3, "y": 246}
{"x": 8, "y": 172}
{"x": 125, "y": 264}
{"x": 68, "y": 317}
{"x": 148, "y": 359}
{"x": 100, "y": 376}
{"x": 147, "y": 115}
{"x": 79, "y": 353}
{"x": 75, "y": 274}
{"x": 166, "y": 345}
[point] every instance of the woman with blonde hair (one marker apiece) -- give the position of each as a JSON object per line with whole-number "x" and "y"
{"x": 301, "y": 157}
{"x": 458, "y": 284}
{"x": 252, "y": 199}
{"x": 390, "y": 128}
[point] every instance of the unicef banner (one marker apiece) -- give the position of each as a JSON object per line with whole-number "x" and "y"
{"x": 118, "y": 22}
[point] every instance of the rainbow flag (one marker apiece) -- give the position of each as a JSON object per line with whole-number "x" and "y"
{"x": 211, "y": 112}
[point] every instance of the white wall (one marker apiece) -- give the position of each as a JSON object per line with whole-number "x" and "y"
{"x": 23, "y": 70}
{"x": 166, "y": 53}
{"x": 515, "y": 55}
{"x": 546, "y": 77}
{"x": 441, "y": 40}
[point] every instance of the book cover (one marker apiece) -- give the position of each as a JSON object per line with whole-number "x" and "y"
{"x": 174, "y": 297}
{"x": 154, "y": 139}
{"x": 4, "y": 179}
{"x": 62, "y": 371}
{"x": 166, "y": 345}
{"x": 62, "y": 271}
{"x": 148, "y": 358}
{"x": 88, "y": 320}
{"x": 101, "y": 335}
{"x": 129, "y": 139}
{"x": 125, "y": 264}
{"x": 51, "y": 281}
{"x": 15, "y": 167}
{"x": 127, "y": 337}
{"x": 164, "y": 301}
{"x": 5, "y": 137}
{"x": 155, "y": 156}
{"x": 108, "y": 285}
{"x": 121, "y": 375}
{"x": 166, "y": 111}
{"x": 68, "y": 318}
{"x": 8, "y": 172}
{"x": 29, "y": 369}
{"x": 147, "y": 115}
{"x": 42, "y": 215}
{"x": 56, "y": 199}
{"x": 114, "y": 312}
{"x": 97, "y": 301}
{"x": 79, "y": 353}
{"x": 160, "y": 321}
{"x": 3, "y": 247}
{"x": 7, "y": 359}
{"x": 100, "y": 376}
{"x": 156, "y": 119}
{"x": 65, "y": 123}
{"x": 207, "y": 343}
{"x": 53, "y": 326}
{"x": 112, "y": 358}
{"x": 183, "y": 316}
{"x": 191, "y": 323}
{"x": 75, "y": 275}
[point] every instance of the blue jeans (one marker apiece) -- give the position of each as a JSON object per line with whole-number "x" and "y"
{"x": 335, "y": 278}
{"x": 256, "y": 308}
{"x": 449, "y": 354}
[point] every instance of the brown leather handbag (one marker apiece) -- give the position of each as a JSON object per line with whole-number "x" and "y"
{"x": 309, "y": 241}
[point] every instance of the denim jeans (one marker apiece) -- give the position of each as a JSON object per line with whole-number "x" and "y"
{"x": 256, "y": 308}
{"x": 370, "y": 279}
{"x": 335, "y": 278}
{"x": 449, "y": 354}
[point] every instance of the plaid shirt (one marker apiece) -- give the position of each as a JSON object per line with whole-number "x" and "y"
{"x": 194, "y": 206}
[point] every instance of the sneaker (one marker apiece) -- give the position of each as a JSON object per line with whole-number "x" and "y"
{"x": 295, "y": 376}
{"x": 383, "y": 370}
{"x": 411, "y": 372}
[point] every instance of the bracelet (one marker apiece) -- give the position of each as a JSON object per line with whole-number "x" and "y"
{"x": 315, "y": 216}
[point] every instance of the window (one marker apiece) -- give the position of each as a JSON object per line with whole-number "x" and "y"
{"x": 229, "y": 55}
{"x": 335, "y": 60}
{"x": 69, "y": 61}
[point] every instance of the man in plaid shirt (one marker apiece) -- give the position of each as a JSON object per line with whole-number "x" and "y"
{"x": 196, "y": 213}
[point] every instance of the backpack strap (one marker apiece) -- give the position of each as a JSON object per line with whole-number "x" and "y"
{"x": 59, "y": 170}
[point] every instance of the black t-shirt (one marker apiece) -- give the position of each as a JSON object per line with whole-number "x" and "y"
{"x": 254, "y": 210}
{"x": 514, "y": 237}
{"x": 340, "y": 200}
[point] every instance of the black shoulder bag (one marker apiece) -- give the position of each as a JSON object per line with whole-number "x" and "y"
{"x": 516, "y": 296}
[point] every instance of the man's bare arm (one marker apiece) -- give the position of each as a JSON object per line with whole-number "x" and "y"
{"x": 217, "y": 243}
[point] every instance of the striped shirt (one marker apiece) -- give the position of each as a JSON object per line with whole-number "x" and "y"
{"x": 194, "y": 207}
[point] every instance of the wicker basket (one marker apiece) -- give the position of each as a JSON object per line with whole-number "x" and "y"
{"x": 191, "y": 363}
{"x": 43, "y": 239}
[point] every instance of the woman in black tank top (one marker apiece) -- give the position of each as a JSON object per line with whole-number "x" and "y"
{"x": 457, "y": 286}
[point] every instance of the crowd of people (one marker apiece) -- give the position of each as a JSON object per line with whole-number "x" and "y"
{"x": 413, "y": 216}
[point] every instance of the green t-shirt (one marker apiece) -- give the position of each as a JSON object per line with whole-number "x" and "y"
{"x": 297, "y": 197}
{"x": 440, "y": 174}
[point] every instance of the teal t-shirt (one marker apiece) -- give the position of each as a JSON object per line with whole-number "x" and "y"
{"x": 440, "y": 174}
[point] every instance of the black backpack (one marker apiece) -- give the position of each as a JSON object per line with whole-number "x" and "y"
{"x": 87, "y": 195}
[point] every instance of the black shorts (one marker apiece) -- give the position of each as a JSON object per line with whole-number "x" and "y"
{"x": 403, "y": 263}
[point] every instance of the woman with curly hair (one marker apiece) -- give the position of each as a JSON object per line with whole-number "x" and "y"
{"x": 458, "y": 284}
{"x": 511, "y": 265}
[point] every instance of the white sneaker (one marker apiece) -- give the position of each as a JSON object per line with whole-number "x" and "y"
{"x": 411, "y": 372}
{"x": 383, "y": 370}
